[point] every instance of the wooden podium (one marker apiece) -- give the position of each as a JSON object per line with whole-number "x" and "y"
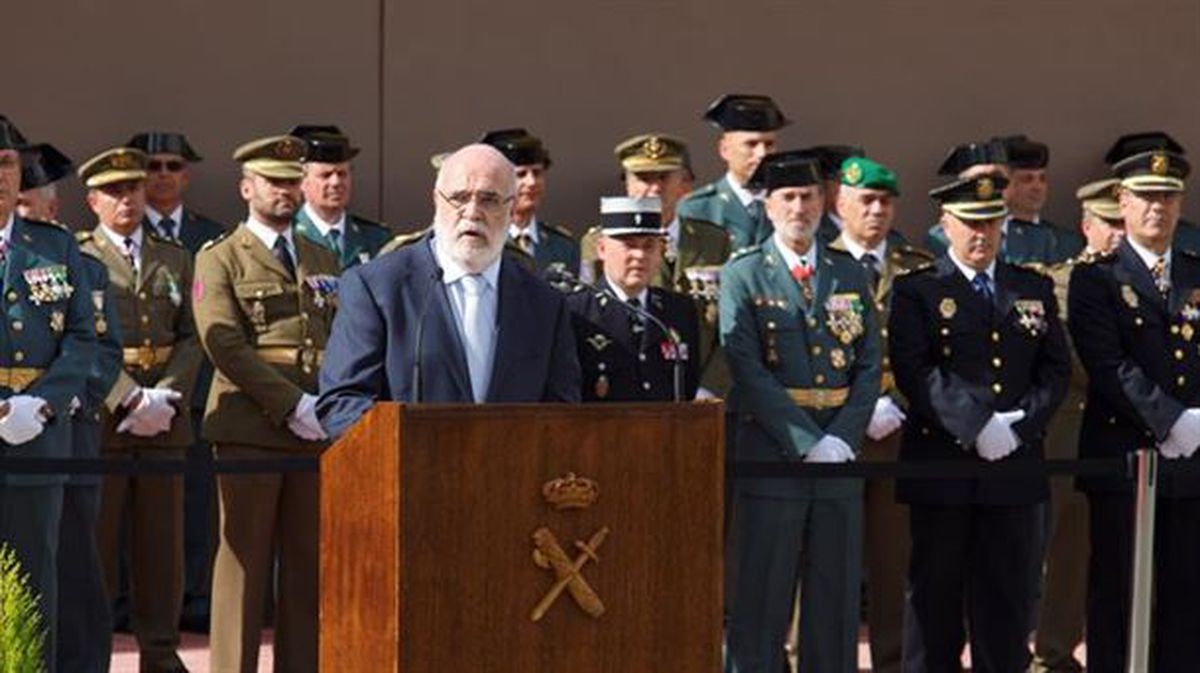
{"x": 428, "y": 521}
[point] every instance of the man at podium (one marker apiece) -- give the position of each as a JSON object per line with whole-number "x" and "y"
{"x": 449, "y": 319}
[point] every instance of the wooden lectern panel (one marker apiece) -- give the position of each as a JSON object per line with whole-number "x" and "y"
{"x": 428, "y": 552}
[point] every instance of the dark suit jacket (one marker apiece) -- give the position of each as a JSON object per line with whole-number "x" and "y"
{"x": 371, "y": 350}
{"x": 1141, "y": 358}
{"x": 958, "y": 359}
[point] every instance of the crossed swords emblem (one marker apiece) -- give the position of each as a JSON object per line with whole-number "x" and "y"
{"x": 549, "y": 554}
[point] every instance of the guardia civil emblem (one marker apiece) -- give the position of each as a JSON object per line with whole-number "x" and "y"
{"x": 844, "y": 316}
{"x": 948, "y": 308}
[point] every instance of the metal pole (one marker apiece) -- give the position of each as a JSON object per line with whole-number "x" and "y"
{"x": 1143, "y": 561}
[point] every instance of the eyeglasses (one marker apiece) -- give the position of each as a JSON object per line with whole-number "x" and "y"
{"x": 170, "y": 165}
{"x": 486, "y": 201}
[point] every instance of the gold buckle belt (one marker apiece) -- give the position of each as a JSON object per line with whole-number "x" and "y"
{"x": 147, "y": 357}
{"x": 819, "y": 398}
{"x": 19, "y": 378}
{"x": 307, "y": 358}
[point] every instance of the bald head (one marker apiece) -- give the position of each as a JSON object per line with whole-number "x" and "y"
{"x": 473, "y": 200}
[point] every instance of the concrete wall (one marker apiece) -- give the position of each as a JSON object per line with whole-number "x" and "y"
{"x": 904, "y": 78}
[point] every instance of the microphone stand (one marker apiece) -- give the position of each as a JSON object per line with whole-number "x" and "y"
{"x": 676, "y": 363}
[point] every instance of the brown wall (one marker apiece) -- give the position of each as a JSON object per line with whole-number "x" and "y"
{"x": 904, "y": 78}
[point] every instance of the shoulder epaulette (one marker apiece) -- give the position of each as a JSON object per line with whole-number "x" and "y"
{"x": 53, "y": 225}
{"x": 1036, "y": 267}
{"x": 561, "y": 231}
{"x": 913, "y": 251}
{"x": 359, "y": 219}
{"x": 923, "y": 266}
{"x": 592, "y": 231}
{"x": 401, "y": 240}
{"x": 163, "y": 240}
{"x": 1094, "y": 257}
{"x": 1190, "y": 253}
{"x": 743, "y": 252}
{"x": 82, "y": 237}
{"x": 87, "y": 252}
{"x": 704, "y": 190}
{"x": 210, "y": 243}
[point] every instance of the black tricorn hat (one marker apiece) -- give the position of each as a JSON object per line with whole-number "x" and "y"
{"x": 42, "y": 164}
{"x": 163, "y": 142}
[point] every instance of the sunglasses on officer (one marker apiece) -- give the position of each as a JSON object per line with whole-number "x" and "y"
{"x": 165, "y": 165}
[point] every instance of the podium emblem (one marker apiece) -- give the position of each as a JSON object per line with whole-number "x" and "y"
{"x": 569, "y": 492}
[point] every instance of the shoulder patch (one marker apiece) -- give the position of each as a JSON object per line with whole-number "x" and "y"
{"x": 561, "y": 231}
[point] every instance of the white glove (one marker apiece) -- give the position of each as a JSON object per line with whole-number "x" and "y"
{"x": 829, "y": 449}
{"x": 303, "y": 421}
{"x": 997, "y": 440}
{"x": 1170, "y": 448}
{"x": 24, "y": 420}
{"x": 153, "y": 413}
{"x": 1185, "y": 435}
{"x": 886, "y": 419}
{"x": 705, "y": 394}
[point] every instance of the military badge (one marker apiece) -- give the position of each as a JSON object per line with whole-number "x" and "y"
{"x": 98, "y": 303}
{"x": 323, "y": 288}
{"x": 1130, "y": 297}
{"x": 654, "y": 147}
{"x": 985, "y": 189}
{"x": 948, "y": 308}
{"x": 598, "y": 341}
{"x": 58, "y": 321}
{"x": 844, "y": 316}
{"x": 258, "y": 315}
{"x": 48, "y": 284}
{"x": 1031, "y": 315}
{"x": 1159, "y": 164}
{"x": 167, "y": 284}
{"x": 837, "y": 358}
{"x": 853, "y": 173}
{"x": 670, "y": 352}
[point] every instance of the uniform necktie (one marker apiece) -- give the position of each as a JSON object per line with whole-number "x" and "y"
{"x": 131, "y": 253}
{"x": 478, "y": 328}
{"x": 1159, "y": 272}
{"x": 803, "y": 273}
{"x": 167, "y": 226}
{"x": 284, "y": 256}
{"x": 3, "y": 250}
{"x": 335, "y": 241}
{"x": 871, "y": 263}
{"x": 525, "y": 242}
{"x": 983, "y": 285}
{"x": 637, "y": 324}
{"x": 759, "y": 228}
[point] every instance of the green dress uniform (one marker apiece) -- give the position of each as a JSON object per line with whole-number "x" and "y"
{"x": 554, "y": 250}
{"x": 160, "y": 350}
{"x": 84, "y": 615}
{"x": 47, "y": 345}
{"x": 361, "y": 239}
{"x": 716, "y": 202}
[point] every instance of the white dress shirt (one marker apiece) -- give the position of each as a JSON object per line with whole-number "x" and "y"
{"x": 176, "y": 216}
{"x": 744, "y": 195}
{"x": 474, "y": 299}
{"x": 969, "y": 272}
{"x": 268, "y": 236}
{"x": 1150, "y": 258}
{"x": 857, "y": 251}
{"x": 134, "y": 249}
{"x": 323, "y": 226}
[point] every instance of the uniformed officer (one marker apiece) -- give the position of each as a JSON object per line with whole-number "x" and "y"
{"x": 1134, "y": 316}
{"x": 801, "y": 335}
{"x": 150, "y": 282}
{"x": 749, "y": 131}
{"x": 264, "y": 302}
{"x": 84, "y": 632}
{"x": 1060, "y": 617}
{"x": 46, "y": 349}
{"x": 866, "y": 202}
{"x": 42, "y": 166}
{"x": 1187, "y": 234}
{"x": 327, "y": 185}
{"x": 978, "y": 351}
{"x": 550, "y": 245}
{"x": 168, "y": 175}
{"x": 625, "y": 355}
{"x": 830, "y": 158}
{"x": 1021, "y": 241}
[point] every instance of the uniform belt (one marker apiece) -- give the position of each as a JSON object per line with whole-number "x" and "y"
{"x": 819, "y": 398}
{"x": 147, "y": 357}
{"x": 19, "y": 378}
{"x": 307, "y": 357}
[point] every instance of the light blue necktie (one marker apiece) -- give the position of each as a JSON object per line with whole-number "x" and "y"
{"x": 479, "y": 323}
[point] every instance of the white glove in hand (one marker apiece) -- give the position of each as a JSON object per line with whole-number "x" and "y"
{"x": 303, "y": 422}
{"x": 997, "y": 439}
{"x": 1185, "y": 434}
{"x": 153, "y": 413}
{"x": 1170, "y": 448}
{"x": 24, "y": 420}
{"x": 886, "y": 419}
{"x": 829, "y": 449}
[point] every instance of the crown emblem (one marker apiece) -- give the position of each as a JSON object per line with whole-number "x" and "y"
{"x": 853, "y": 173}
{"x": 123, "y": 161}
{"x": 1159, "y": 164}
{"x": 571, "y": 492}
{"x": 985, "y": 189}
{"x": 289, "y": 150}
{"x": 654, "y": 148}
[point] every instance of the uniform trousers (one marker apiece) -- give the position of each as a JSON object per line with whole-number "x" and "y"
{"x": 977, "y": 558}
{"x": 84, "y": 613}
{"x": 816, "y": 542}
{"x": 1064, "y": 590}
{"x": 1175, "y": 645}
{"x": 886, "y": 551}
{"x": 199, "y": 530}
{"x": 29, "y": 523}
{"x": 256, "y": 510}
{"x": 153, "y": 505}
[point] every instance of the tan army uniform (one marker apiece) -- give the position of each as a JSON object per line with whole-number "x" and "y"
{"x": 886, "y": 537}
{"x": 154, "y": 311}
{"x": 265, "y": 333}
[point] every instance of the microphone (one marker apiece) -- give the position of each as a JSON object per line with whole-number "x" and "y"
{"x": 436, "y": 277}
{"x": 676, "y": 342}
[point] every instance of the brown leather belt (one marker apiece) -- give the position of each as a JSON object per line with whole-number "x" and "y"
{"x": 19, "y": 378}
{"x": 306, "y": 358}
{"x": 147, "y": 357}
{"x": 819, "y": 398}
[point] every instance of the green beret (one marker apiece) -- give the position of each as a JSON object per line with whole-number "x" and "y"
{"x": 864, "y": 173}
